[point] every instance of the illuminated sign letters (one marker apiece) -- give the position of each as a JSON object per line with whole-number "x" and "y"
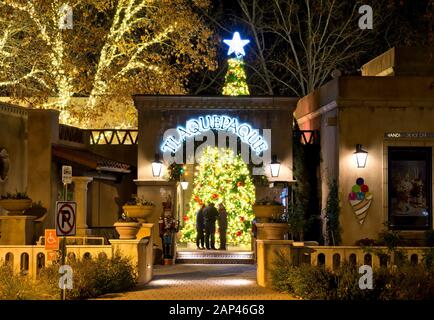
{"x": 197, "y": 126}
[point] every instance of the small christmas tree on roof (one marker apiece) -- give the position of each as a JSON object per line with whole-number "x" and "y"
{"x": 235, "y": 79}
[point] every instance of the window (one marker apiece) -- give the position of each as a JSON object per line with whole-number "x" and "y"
{"x": 409, "y": 188}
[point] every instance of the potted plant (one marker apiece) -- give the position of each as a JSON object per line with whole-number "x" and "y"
{"x": 139, "y": 208}
{"x": 15, "y": 203}
{"x": 36, "y": 210}
{"x": 127, "y": 227}
{"x": 266, "y": 210}
{"x": 275, "y": 229}
{"x": 271, "y": 223}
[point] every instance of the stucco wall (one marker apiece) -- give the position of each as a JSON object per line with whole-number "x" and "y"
{"x": 43, "y": 131}
{"x": 106, "y": 200}
{"x": 13, "y": 138}
{"x": 328, "y": 157}
{"x": 155, "y": 117}
{"x": 367, "y": 125}
{"x": 366, "y": 108}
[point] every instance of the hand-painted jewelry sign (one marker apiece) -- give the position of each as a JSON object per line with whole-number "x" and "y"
{"x": 202, "y": 124}
{"x": 360, "y": 199}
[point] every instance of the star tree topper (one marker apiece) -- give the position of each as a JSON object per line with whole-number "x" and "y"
{"x": 236, "y": 45}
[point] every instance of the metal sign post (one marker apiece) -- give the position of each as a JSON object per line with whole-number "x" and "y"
{"x": 65, "y": 226}
{"x": 67, "y": 212}
{"x": 63, "y": 251}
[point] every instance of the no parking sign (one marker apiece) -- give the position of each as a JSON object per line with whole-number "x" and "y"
{"x": 66, "y": 218}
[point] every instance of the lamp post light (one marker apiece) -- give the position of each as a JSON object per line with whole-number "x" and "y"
{"x": 274, "y": 166}
{"x": 361, "y": 156}
{"x": 157, "y": 166}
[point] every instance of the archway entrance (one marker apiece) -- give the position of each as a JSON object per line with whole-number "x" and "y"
{"x": 170, "y": 122}
{"x": 221, "y": 177}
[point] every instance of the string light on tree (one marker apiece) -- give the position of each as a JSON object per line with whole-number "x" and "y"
{"x": 222, "y": 177}
{"x": 235, "y": 79}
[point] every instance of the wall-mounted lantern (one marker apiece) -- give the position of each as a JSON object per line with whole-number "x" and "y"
{"x": 157, "y": 166}
{"x": 184, "y": 185}
{"x": 274, "y": 166}
{"x": 361, "y": 156}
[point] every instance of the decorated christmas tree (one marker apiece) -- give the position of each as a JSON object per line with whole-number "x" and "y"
{"x": 235, "y": 79}
{"x": 222, "y": 177}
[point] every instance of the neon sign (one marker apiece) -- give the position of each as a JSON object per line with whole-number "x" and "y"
{"x": 197, "y": 126}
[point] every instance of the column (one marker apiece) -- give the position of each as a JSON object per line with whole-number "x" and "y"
{"x": 139, "y": 251}
{"x": 80, "y": 196}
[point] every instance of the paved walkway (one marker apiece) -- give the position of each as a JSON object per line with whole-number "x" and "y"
{"x": 202, "y": 282}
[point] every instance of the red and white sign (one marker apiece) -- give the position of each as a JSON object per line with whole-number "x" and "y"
{"x": 66, "y": 218}
{"x": 51, "y": 240}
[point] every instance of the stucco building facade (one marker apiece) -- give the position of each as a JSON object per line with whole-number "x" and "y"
{"x": 390, "y": 112}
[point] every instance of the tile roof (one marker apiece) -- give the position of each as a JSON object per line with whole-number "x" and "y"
{"x": 89, "y": 159}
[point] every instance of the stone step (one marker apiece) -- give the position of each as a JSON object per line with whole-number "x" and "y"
{"x": 214, "y": 257}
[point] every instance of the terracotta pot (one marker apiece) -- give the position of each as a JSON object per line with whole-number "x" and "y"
{"x": 264, "y": 213}
{"x": 272, "y": 231}
{"x": 141, "y": 213}
{"x": 15, "y": 207}
{"x": 127, "y": 230}
{"x": 168, "y": 262}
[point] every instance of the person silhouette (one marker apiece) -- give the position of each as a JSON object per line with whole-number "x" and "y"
{"x": 211, "y": 215}
{"x": 223, "y": 225}
{"x": 200, "y": 228}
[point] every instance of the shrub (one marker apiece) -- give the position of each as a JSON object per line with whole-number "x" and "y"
{"x": 429, "y": 238}
{"x": 366, "y": 242}
{"x": 312, "y": 282}
{"x": 406, "y": 282}
{"x": 283, "y": 267}
{"x": 390, "y": 238}
{"x": 428, "y": 258}
{"x": 16, "y": 196}
{"x": 14, "y": 287}
{"x": 101, "y": 275}
{"x": 334, "y": 229}
{"x": 91, "y": 278}
{"x": 305, "y": 281}
{"x": 347, "y": 286}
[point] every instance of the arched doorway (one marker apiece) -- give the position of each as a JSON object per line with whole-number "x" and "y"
{"x": 161, "y": 116}
{"x": 221, "y": 177}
